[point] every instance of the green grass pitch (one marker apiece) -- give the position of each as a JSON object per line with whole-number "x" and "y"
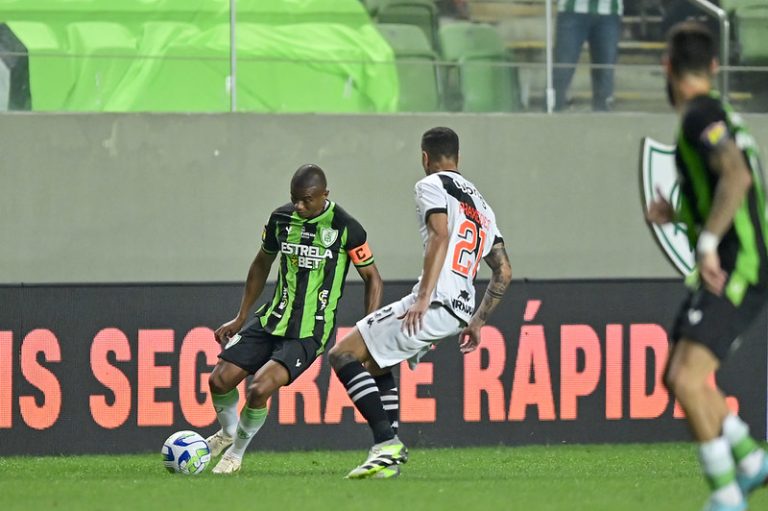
{"x": 562, "y": 477}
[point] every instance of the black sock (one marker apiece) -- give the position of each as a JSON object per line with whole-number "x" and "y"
{"x": 365, "y": 395}
{"x": 390, "y": 398}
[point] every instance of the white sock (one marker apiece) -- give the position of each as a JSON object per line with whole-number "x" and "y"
{"x": 251, "y": 421}
{"x": 748, "y": 455}
{"x": 226, "y": 410}
{"x": 720, "y": 470}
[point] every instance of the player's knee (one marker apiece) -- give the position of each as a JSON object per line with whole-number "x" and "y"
{"x": 260, "y": 390}
{"x": 682, "y": 383}
{"x": 338, "y": 358}
{"x": 217, "y": 384}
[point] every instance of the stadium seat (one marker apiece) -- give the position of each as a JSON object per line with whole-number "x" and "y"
{"x": 421, "y": 13}
{"x": 416, "y": 68}
{"x": 752, "y": 34}
{"x": 40, "y": 39}
{"x": 732, "y": 5}
{"x": 485, "y": 82}
{"x": 371, "y": 6}
{"x": 108, "y": 49}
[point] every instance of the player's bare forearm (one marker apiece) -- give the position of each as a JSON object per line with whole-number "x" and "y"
{"x": 434, "y": 253}
{"x": 374, "y": 287}
{"x": 735, "y": 180}
{"x": 254, "y": 283}
{"x": 501, "y": 275}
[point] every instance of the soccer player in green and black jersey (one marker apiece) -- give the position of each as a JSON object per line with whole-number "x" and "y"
{"x": 723, "y": 208}
{"x": 316, "y": 241}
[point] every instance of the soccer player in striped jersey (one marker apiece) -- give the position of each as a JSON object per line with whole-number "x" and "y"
{"x": 316, "y": 240}
{"x": 723, "y": 209}
{"x": 458, "y": 228}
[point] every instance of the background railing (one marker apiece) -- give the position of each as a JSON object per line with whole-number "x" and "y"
{"x": 349, "y": 56}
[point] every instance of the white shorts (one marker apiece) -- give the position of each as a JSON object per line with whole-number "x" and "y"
{"x": 389, "y": 345}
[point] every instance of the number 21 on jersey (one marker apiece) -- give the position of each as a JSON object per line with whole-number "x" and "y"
{"x": 468, "y": 250}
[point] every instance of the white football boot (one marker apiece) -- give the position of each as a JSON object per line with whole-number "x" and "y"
{"x": 218, "y": 442}
{"x": 228, "y": 464}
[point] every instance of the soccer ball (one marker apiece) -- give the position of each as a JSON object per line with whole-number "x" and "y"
{"x": 185, "y": 452}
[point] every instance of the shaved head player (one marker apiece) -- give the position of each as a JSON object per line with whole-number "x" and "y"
{"x": 314, "y": 241}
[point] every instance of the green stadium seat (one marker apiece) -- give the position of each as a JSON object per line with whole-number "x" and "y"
{"x": 40, "y": 39}
{"x": 420, "y": 13}
{"x": 416, "y": 67}
{"x": 165, "y": 32}
{"x": 752, "y": 34}
{"x": 108, "y": 50}
{"x": 371, "y": 6}
{"x": 731, "y": 5}
{"x": 486, "y": 82}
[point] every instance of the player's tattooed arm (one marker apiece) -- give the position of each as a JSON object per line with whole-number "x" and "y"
{"x": 501, "y": 275}
{"x": 498, "y": 261}
{"x": 735, "y": 179}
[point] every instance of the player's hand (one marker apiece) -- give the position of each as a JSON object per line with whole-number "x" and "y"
{"x": 712, "y": 274}
{"x": 412, "y": 319}
{"x": 660, "y": 210}
{"x": 469, "y": 338}
{"x": 228, "y": 329}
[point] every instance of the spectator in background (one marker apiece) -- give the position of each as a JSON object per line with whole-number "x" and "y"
{"x": 596, "y": 21}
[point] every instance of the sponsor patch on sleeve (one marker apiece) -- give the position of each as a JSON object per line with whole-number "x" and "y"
{"x": 264, "y": 233}
{"x": 715, "y": 134}
{"x": 361, "y": 255}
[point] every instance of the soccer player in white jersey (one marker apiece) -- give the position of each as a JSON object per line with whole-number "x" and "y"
{"x": 458, "y": 228}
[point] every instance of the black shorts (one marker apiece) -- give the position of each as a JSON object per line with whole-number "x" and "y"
{"x": 715, "y": 321}
{"x": 253, "y": 347}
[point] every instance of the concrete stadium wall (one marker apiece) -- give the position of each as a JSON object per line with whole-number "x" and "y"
{"x": 182, "y": 198}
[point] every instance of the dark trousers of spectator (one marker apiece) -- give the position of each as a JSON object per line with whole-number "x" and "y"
{"x": 602, "y": 32}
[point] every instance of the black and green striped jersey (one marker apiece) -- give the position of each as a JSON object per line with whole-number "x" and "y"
{"x": 707, "y": 123}
{"x": 314, "y": 259}
{"x": 606, "y": 7}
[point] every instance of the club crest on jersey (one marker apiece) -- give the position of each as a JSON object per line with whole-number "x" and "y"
{"x": 328, "y": 236}
{"x": 657, "y": 170}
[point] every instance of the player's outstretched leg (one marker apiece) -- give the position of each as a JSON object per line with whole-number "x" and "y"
{"x": 267, "y": 380}
{"x": 689, "y": 367}
{"x": 346, "y": 359}
{"x": 382, "y": 462}
{"x": 223, "y": 386}
{"x": 751, "y": 460}
{"x": 390, "y": 398}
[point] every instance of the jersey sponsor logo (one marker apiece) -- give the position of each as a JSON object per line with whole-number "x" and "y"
{"x": 328, "y": 236}
{"x": 460, "y": 306}
{"x": 283, "y": 300}
{"x": 305, "y": 256}
{"x": 461, "y": 303}
{"x": 323, "y": 298}
{"x": 657, "y": 170}
{"x": 715, "y": 134}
